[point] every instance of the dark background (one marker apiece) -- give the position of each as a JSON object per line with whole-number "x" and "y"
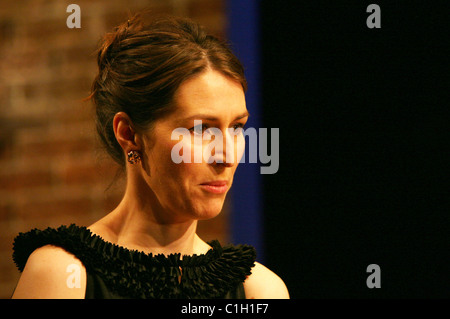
{"x": 363, "y": 174}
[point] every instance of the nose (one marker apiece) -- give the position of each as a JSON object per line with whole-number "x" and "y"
{"x": 224, "y": 152}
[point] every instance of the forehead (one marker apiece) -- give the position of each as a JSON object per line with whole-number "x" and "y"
{"x": 210, "y": 93}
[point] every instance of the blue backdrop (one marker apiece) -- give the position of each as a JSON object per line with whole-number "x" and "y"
{"x": 246, "y": 215}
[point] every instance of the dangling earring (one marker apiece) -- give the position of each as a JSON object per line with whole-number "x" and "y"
{"x": 134, "y": 157}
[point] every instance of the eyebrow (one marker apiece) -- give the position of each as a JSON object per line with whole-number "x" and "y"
{"x": 209, "y": 117}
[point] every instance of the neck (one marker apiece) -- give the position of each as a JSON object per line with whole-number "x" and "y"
{"x": 139, "y": 223}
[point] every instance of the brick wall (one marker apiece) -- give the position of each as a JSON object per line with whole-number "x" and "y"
{"x": 52, "y": 169}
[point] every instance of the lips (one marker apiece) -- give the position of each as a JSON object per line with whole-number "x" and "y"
{"x": 216, "y": 187}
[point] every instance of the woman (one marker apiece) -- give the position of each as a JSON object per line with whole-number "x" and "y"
{"x": 154, "y": 78}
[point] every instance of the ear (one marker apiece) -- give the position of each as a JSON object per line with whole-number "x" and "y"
{"x": 124, "y": 132}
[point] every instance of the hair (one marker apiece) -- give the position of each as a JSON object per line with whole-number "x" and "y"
{"x": 141, "y": 64}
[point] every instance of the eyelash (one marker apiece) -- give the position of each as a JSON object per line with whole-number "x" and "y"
{"x": 204, "y": 127}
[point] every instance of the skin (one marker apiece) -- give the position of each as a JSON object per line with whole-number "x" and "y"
{"x": 163, "y": 201}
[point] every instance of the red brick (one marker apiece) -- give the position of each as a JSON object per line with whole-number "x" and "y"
{"x": 55, "y": 148}
{"x": 17, "y": 180}
{"x": 50, "y": 208}
{"x": 87, "y": 173}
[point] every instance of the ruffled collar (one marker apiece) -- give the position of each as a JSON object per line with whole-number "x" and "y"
{"x": 140, "y": 275}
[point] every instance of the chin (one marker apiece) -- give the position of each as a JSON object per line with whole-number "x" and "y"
{"x": 209, "y": 212}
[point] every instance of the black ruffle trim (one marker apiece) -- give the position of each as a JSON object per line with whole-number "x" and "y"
{"x": 135, "y": 274}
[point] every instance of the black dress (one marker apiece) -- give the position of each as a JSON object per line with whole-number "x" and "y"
{"x": 116, "y": 272}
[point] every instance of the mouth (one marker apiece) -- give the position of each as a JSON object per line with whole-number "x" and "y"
{"x": 215, "y": 187}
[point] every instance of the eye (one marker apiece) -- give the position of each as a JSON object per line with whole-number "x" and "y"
{"x": 238, "y": 127}
{"x": 199, "y": 129}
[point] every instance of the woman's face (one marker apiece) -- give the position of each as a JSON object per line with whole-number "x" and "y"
{"x": 192, "y": 189}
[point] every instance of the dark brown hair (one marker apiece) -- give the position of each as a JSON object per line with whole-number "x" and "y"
{"x": 141, "y": 65}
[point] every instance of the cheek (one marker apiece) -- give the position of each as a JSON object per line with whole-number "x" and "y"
{"x": 161, "y": 167}
{"x": 173, "y": 160}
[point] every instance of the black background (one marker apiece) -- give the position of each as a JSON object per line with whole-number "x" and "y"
{"x": 364, "y": 152}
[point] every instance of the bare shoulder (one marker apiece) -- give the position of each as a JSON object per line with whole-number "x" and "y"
{"x": 265, "y": 284}
{"x": 51, "y": 272}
